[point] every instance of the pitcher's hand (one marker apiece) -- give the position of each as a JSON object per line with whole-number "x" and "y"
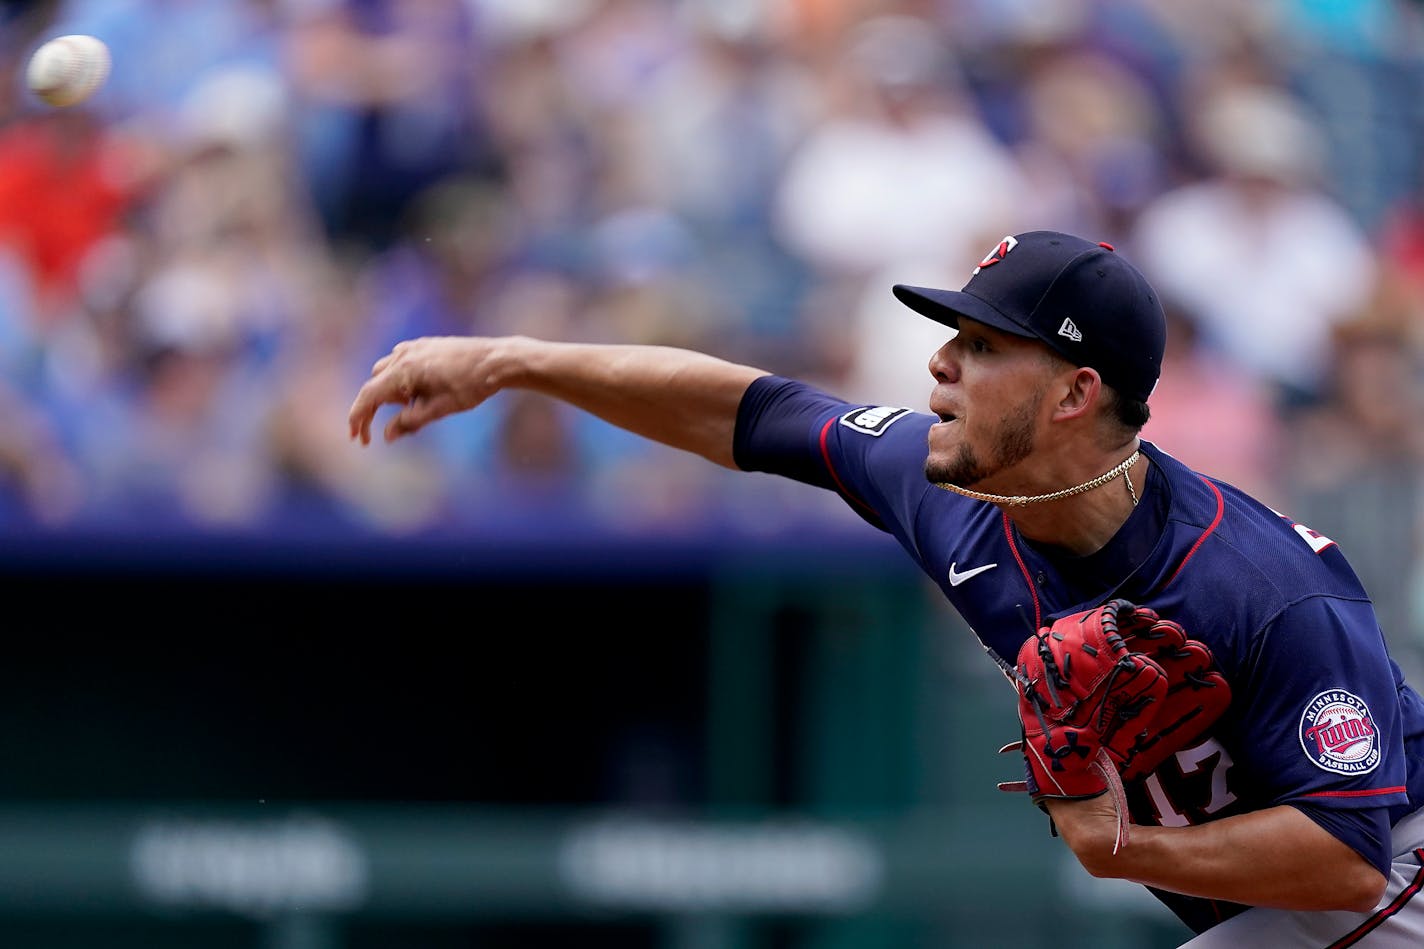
{"x": 429, "y": 378}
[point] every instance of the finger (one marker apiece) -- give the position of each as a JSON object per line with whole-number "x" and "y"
{"x": 418, "y": 413}
{"x": 386, "y": 388}
{"x": 358, "y": 419}
{"x": 409, "y": 420}
{"x": 363, "y": 410}
{"x": 396, "y": 352}
{"x": 405, "y": 422}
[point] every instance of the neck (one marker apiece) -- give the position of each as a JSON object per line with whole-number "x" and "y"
{"x": 1019, "y": 500}
{"x": 1081, "y": 518}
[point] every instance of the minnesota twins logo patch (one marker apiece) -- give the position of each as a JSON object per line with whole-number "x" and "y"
{"x": 1338, "y": 733}
{"x": 875, "y": 420}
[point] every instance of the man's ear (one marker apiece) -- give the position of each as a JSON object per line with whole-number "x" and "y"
{"x": 1081, "y": 390}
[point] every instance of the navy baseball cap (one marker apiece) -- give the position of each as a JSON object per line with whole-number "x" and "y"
{"x": 1081, "y": 298}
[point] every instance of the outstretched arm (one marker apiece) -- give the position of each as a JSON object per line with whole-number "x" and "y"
{"x": 677, "y": 397}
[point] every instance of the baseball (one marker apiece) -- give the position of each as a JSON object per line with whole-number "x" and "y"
{"x": 67, "y": 69}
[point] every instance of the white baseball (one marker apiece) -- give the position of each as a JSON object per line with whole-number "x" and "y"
{"x": 67, "y": 69}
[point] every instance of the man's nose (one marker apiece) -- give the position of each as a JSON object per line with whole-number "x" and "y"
{"x": 944, "y": 367}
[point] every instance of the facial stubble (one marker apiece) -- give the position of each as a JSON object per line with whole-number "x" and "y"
{"x": 1014, "y": 444}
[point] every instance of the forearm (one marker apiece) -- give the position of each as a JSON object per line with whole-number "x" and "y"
{"x": 678, "y": 397}
{"x": 1276, "y": 857}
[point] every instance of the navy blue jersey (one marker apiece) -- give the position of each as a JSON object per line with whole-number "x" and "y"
{"x": 1321, "y": 717}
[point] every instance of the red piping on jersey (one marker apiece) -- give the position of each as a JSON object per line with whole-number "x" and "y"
{"x": 1370, "y": 925}
{"x": 1032, "y": 590}
{"x": 1215, "y": 523}
{"x": 840, "y": 485}
{"x": 1367, "y": 792}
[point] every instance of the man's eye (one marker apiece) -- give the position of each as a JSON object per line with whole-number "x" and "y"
{"x": 979, "y": 346}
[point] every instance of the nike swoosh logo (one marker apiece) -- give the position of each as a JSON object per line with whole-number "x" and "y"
{"x": 956, "y": 578}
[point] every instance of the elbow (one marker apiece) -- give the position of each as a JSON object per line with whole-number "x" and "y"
{"x": 1101, "y": 864}
{"x": 1367, "y": 890}
{"x": 1356, "y": 892}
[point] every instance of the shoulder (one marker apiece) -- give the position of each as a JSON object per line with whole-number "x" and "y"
{"x": 1222, "y": 543}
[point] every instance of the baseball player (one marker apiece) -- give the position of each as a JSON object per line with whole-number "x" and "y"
{"x": 1275, "y": 799}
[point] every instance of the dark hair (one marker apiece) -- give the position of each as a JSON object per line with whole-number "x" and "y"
{"x": 1129, "y": 413}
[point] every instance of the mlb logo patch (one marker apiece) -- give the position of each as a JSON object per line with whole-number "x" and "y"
{"x": 874, "y": 420}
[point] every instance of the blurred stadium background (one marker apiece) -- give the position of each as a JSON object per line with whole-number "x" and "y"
{"x": 525, "y": 681}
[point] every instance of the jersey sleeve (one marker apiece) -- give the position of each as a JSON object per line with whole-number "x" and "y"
{"x": 1323, "y": 717}
{"x": 1367, "y": 832}
{"x": 872, "y": 456}
{"x": 776, "y": 422}
{"x": 1323, "y": 721}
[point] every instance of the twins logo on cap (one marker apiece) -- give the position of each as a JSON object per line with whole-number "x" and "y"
{"x": 1338, "y": 734}
{"x": 998, "y": 253}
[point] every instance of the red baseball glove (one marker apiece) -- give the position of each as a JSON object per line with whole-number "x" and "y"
{"x": 1109, "y": 693}
{"x": 1197, "y": 695}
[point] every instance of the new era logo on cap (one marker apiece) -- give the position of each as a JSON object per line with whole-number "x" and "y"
{"x": 1079, "y": 297}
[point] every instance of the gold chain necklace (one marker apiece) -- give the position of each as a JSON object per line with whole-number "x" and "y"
{"x": 1020, "y": 500}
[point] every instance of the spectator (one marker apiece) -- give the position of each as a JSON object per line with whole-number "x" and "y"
{"x": 1216, "y": 416}
{"x": 66, "y": 184}
{"x": 385, "y": 93}
{"x": 899, "y": 180}
{"x": 1258, "y": 250}
{"x": 718, "y": 127}
{"x": 1354, "y": 467}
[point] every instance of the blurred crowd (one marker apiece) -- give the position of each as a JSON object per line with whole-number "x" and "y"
{"x": 199, "y": 265}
